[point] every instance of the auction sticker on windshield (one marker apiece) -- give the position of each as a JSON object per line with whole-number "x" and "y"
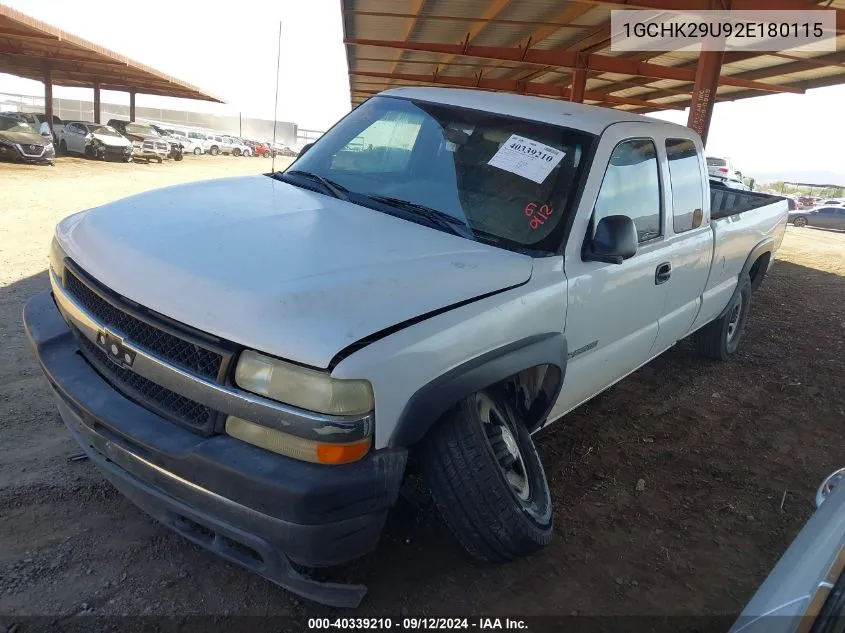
{"x": 527, "y": 158}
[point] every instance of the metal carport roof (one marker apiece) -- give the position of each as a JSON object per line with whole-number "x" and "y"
{"x": 562, "y": 50}
{"x": 32, "y": 49}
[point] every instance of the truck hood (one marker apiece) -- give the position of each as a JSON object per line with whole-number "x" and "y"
{"x": 113, "y": 141}
{"x": 280, "y": 269}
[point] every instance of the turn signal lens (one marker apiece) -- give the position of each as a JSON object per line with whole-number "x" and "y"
{"x": 296, "y": 447}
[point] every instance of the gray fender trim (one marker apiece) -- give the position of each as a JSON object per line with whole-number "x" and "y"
{"x": 431, "y": 401}
{"x": 764, "y": 246}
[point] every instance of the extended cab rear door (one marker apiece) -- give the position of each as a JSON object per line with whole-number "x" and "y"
{"x": 688, "y": 240}
{"x": 613, "y": 309}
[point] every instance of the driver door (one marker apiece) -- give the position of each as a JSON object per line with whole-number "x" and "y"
{"x": 613, "y": 309}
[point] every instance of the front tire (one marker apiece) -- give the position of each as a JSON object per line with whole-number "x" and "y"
{"x": 800, "y": 221}
{"x": 236, "y": 152}
{"x": 487, "y": 480}
{"x": 197, "y": 151}
{"x": 63, "y": 148}
{"x": 214, "y": 151}
{"x": 720, "y": 338}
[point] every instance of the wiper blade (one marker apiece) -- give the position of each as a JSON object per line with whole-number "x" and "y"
{"x": 335, "y": 189}
{"x": 439, "y": 218}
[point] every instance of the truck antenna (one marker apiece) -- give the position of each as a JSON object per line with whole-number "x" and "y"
{"x": 276, "y": 102}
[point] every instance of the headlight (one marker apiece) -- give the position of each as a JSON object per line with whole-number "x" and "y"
{"x": 301, "y": 387}
{"x": 57, "y": 258}
{"x": 48, "y": 147}
{"x": 314, "y": 451}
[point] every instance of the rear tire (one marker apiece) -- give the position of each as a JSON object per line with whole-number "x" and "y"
{"x": 159, "y": 159}
{"x": 214, "y": 151}
{"x": 487, "y": 480}
{"x": 800, "y": 221}
{"x": 720, "y": 339}
{"x": 236, "y": 152}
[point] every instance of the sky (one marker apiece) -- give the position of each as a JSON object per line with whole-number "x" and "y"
{"x": 232, "y": 53}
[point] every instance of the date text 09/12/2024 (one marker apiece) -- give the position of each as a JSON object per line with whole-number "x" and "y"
{"x": 415, "y": 624}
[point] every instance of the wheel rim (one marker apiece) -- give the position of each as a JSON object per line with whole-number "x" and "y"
{"x": 502, "y": 439}
{"x": 733, "y": 321}
{"x": 800, "y": 222}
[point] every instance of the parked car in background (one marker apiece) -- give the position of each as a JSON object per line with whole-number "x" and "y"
{"x": 284, "y": 150}
{"x": 821, "y": 217}
{"x": 805, "y": 592}
{"x": 177, "y": 149}
{"x": 192, "y": 142}
{"x": 219, "y": 144}
{"x": 21, "y": 142}
{"x": 834, "y": 202}
{"x": 146, "y": 142}
{"x": 722, "y": 168}
{"x": 730, "y": 183}
{"x": 240, "y": 148}
{"x": 38, "y": 120}
{"x": 94, "y": 141}
{"x": 261, "y": 149}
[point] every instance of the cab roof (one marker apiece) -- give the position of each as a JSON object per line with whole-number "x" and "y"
{"x": 577, "y": 116}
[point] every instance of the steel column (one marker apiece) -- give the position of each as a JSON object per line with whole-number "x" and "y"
{"x": 579, "y": 84}
{"x": 132, "y": 105}
{"x": 48, "y": 96}
{"x": 96, "y": 102}
{"x": 704, "y": 91}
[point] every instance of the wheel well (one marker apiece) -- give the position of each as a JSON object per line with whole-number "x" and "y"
{"x": 758, "y": 269}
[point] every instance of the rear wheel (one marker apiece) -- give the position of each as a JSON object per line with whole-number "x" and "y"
{"x": 800, "y": 221}
{"x": 720, "y": 339}
{"x": 159, "y": 159}
{"x": 236, "y": 152}
{"x": 487, "y": 480}
{"x": 214, "y": 151}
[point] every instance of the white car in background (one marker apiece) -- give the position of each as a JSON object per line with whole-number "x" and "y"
{"x": 722, "y": 167}
{"x": 193, "y": 142}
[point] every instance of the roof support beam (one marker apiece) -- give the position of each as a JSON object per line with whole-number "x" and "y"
{"x": 704, "y": 92}
{"x": 512, "y": 85}
{"x": 132, "y": 105}
{"x": 579, "y": 84}
{"x": 96, "y": 102}
{"x": 48, "y": 95}
{"x": 571, "y": 60}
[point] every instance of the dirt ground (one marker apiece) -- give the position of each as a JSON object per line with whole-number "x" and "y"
{"x": 730, "y": 455}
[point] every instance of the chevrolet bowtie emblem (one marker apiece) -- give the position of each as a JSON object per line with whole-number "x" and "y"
{"x": 115, "y": 349}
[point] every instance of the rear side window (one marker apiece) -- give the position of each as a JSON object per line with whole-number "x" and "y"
{"x": 631, "y": 187}
{"x": 685, "y": 177}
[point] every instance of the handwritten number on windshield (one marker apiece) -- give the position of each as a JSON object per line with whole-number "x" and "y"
{"x": 537, "y": 214}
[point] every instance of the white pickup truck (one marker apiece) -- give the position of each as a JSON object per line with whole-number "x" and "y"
{"x": 445, "y": 272}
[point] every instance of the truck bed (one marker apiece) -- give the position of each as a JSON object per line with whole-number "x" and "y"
{"x": 725, "y": 201}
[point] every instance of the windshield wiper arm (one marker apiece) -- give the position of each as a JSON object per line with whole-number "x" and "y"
{"x": 335, "y": 189}
{"x": 439, "y": 218}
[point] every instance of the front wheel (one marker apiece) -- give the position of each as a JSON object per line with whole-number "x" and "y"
{"x": 197, "y": 151}
{"x": 236, "y": 152}
{"x": 159, "y": 159}
{"x": 720, "y": 339}
{"x": 800, "y": 221}
{"x": 178, "y": 157}
{"x": 214, "y": 151}
{"x": 487, "y": 480}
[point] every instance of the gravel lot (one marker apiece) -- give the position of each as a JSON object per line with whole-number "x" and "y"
{"x": 717, "y": 445}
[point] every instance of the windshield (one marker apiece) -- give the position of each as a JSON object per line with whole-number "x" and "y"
{"x": 12, "y": 125}
{"x": 104, "y": 130}
{"x": 716, "y": 162}
{"x": 509, "y": 181}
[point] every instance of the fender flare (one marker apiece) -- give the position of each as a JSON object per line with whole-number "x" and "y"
{"x": 766, "y": 245}
{"x": 432, "y": 400}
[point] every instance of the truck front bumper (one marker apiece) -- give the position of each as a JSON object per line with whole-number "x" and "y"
{"x": 250, "y": 506}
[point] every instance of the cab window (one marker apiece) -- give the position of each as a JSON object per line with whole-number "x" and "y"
{"x": 685, "y": 184}
{"x": 631, "y": 186}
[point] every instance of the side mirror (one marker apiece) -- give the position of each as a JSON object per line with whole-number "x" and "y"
{"x": 615, "y": 240}
{"x": 305, "y": 148}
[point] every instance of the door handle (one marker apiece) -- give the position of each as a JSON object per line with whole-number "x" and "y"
{"x": 662, "y": 274}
